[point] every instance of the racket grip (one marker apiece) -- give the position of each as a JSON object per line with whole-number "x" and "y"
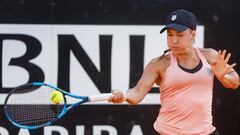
{"x": 99, "y": 97}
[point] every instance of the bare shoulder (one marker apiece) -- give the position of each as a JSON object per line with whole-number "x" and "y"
{"x": 160, "y": 63}
{"x": 209, "y": 54}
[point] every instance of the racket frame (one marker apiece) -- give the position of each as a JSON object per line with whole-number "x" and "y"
{"x": 65, "y": 109}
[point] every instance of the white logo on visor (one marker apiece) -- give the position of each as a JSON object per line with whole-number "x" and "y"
{"x": 174, "y": 17}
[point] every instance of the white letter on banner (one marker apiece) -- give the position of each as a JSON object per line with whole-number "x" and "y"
{"x": 98, "y": 129}
{"x": 61, "y": 130}
{"x": 136, "y": 130}
{"x": 23, "y": 132}
{"x": 80, "y": 130}
{"x": 3, "y": 131}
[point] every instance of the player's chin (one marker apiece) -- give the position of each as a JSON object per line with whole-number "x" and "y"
{"x": 178, "y": 51}
{"x": 174, "y": 49}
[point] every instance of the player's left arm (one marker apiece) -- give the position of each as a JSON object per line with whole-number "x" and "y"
{"x": 223, "y": 71}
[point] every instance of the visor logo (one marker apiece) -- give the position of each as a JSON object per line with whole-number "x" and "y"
{"x": 174, "y": 17}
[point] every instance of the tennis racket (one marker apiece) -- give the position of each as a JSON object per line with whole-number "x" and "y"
{"x": 30, "y": 106}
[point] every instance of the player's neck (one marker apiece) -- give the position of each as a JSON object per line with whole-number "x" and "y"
{"x": 188, "y": 56}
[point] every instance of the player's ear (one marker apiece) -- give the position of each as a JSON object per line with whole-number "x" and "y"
{"x": 193, "y": 33}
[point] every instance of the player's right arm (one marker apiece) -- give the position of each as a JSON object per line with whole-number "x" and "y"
{"x": 151, "y": 74}
{"x": 147, "y": 80}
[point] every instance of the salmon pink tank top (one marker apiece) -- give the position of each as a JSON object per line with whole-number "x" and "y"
{"x": 186, "y": 100}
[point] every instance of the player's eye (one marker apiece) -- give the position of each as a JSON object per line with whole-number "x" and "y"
{"x": 169, "y": 34}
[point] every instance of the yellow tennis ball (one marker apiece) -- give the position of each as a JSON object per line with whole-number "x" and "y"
{"x": 56, "y": 97}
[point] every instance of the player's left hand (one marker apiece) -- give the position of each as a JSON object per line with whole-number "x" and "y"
{"x": 220, "y": 66}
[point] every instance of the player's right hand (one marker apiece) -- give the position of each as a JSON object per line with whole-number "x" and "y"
{"x": 117, "y": 96}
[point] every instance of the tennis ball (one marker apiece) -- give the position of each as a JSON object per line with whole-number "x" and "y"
{"x": 56, "y": 97}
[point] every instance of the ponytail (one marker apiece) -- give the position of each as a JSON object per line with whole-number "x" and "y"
{"x": 164, "y": 53}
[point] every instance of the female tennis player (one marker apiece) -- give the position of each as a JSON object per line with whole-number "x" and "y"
{"x": 185, "y": 78}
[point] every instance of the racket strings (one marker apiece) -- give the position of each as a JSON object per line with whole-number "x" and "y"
{"x": 32, "y": 106}
{"x": 34, "y": 115}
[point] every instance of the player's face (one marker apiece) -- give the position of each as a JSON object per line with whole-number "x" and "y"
{"x": 180, "y": 42}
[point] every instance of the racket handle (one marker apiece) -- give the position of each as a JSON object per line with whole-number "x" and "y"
{"x": 99, "y": 97}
